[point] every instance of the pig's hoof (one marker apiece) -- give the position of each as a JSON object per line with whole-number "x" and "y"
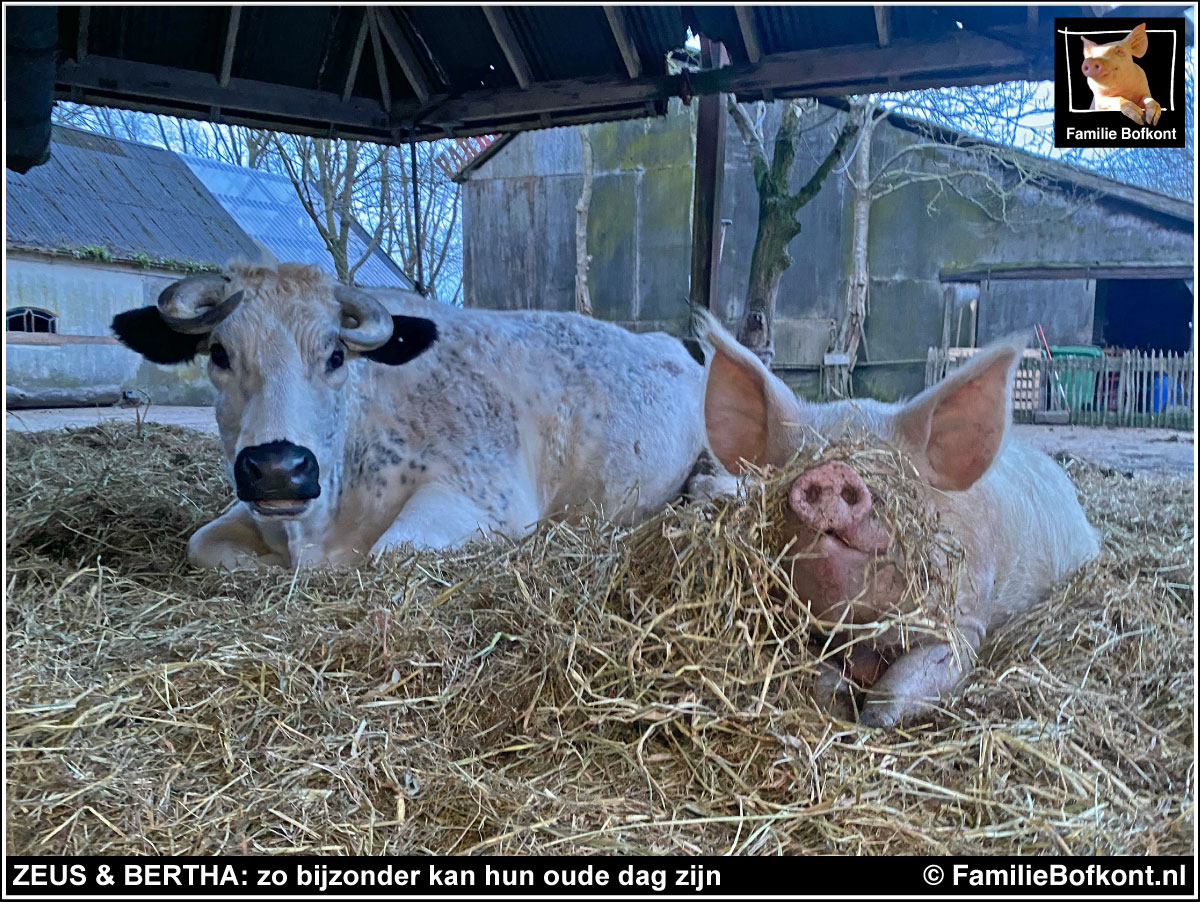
{"x": 882, "y": 715}
{"x": 1133, "y": 112}
{"x": 1153, "y": 111}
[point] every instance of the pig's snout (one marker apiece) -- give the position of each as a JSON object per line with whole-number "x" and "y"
{"x": 833, "y": 499}
{"x": 830, "y": 498}
{"x": 1092, "y": 68}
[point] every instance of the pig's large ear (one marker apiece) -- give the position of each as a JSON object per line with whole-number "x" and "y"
{"x": 748, "y": 411}
{"x": 958, "y": 425}
{"x": 1088, "y": 46}
{"x": 1137, "y": 40}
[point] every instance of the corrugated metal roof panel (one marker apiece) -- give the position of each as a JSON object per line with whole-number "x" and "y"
{"x": 126, "y": 197}
{"x": 266, "y": 206}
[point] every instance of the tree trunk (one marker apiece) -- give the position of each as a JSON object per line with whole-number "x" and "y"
{"x": 768, "y": 263}
{"x": 858, "y": 289}
{"x": 583, "y": 297}
{"x": 777, "y": 223}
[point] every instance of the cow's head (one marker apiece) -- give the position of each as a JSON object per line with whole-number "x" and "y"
{"x": 281, "y": 344}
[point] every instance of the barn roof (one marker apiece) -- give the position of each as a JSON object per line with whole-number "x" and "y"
{"x": 265, "y": 205}
{"x": 1145, "y": 200}
{"x": 101, "y": 192}
{"x": 397, "y": 73}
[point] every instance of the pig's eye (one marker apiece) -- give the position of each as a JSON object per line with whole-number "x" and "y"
{"x": 1120, "y": 52}
{"x": 336, "y": 359}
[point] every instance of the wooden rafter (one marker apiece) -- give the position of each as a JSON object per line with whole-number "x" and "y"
{"x": 745, "y": 17}
{"x": 882, "y": 28}
{"x": 629, "y": 54}
{"x": 81, "y": 43}
{"x": 964, "y": 57}
{"x": 385, "y": 90}
{"x": 507, "y": 39}
{"x": 235, "y": 15}
{"x": 404, "y": 53}
{"x": 616, "y": 24}
{"x": 356, "y": 57}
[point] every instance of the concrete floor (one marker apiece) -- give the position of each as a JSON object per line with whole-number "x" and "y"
{"x": 1147, "y": 452}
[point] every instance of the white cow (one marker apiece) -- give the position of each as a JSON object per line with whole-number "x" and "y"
{"x": 349, "y": 430}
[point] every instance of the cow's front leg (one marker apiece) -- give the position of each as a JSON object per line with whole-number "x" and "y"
{"x": 917, "y": 680}
{"x": 232, "y": 541}
{"x": 438, "y": 517}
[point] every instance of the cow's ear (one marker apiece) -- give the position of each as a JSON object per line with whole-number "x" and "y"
{"x": 143, "y": 330}
{"x": 411, "y": 337}
{"x": 1137, "y": 40}
{"x": 958, "y": 426}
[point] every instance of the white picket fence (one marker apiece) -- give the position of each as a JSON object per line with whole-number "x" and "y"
{"x": 1130, "y": 389}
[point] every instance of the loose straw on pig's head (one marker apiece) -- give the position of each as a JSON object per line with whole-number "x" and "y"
{"x": 710, "y": 583}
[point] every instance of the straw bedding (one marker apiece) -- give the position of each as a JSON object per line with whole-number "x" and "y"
{"x": 588, "y": 689}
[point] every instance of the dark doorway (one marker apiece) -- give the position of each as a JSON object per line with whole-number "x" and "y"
{"x": 1143, "y": 314}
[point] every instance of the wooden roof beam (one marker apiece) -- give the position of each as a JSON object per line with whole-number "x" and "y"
{"x": 81, "y": 39}
{"x": 629, "y": 54}
{"x": 235, "y": 15}
{"x": 616, "y": 24}
{"x": 745, "y": 17}
{"x": 385, "y": 90}
{"x": 356, "y": 57}
{"x": 882, "y": 28}
{"x": 813, "y": 72}
{"x": 404, "y": 53}
{"x": 509, "y": 45}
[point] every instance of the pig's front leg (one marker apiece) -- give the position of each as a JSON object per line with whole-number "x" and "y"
{"x": 1132, "y": 110}
{"x": 917, "y": 680}
{"x": 1153, "y": 110}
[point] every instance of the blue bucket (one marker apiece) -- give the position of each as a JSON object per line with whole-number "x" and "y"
{"x": 1164, "y": 393}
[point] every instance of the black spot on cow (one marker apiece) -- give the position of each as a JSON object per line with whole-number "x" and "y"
{"x": 411, "y": 337}
{"x": 144, "y": 331}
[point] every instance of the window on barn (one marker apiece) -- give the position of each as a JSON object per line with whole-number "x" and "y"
{"x": 30, "y": 319}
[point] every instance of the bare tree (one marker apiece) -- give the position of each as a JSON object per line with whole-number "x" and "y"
{"x": 1004, "y": 184}
{"x": 326, "y": 172}
{"x": 778, "y": 206}
{"x": 380, "y": 189}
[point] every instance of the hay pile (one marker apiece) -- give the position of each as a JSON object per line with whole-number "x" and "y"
{"x": 585, "y": 690}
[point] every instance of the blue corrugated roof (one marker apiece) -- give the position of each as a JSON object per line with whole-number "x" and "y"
{"x": 266, "y": 206}
{"x": 126, "y": 197}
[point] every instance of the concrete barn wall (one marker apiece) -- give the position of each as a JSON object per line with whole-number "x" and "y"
{"x": 85, "y": 296}
{"x": 519, "y": 245}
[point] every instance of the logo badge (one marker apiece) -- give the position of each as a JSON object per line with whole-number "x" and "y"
{"x": 1118, "y": 82}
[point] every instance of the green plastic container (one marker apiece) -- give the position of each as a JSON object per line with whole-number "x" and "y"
{"x": 1080, "y": 385}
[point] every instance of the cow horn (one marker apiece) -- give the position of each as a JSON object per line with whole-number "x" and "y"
{"x": 366, "y": 324}
{"x": 195, "y": 304}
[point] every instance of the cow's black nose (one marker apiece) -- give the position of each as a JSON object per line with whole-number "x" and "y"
{"x": 276, "y": 471}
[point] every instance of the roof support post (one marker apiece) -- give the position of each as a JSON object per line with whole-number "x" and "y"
{"x": 707, "y": 183}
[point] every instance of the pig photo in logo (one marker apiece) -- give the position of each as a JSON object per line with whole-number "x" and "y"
{"x": 1118, "y": 82}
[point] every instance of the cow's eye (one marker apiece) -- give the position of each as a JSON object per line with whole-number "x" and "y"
{"x": 219, "y": 356}
{"x": 336, "y": 359}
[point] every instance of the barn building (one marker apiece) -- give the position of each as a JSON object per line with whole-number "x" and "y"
{"x": 105, "y": 226}
{"x": 1092, "y": 260}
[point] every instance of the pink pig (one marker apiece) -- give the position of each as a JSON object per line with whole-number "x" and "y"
{"x": 1117, "y": 82}
{"x": 1011, "y": 507}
